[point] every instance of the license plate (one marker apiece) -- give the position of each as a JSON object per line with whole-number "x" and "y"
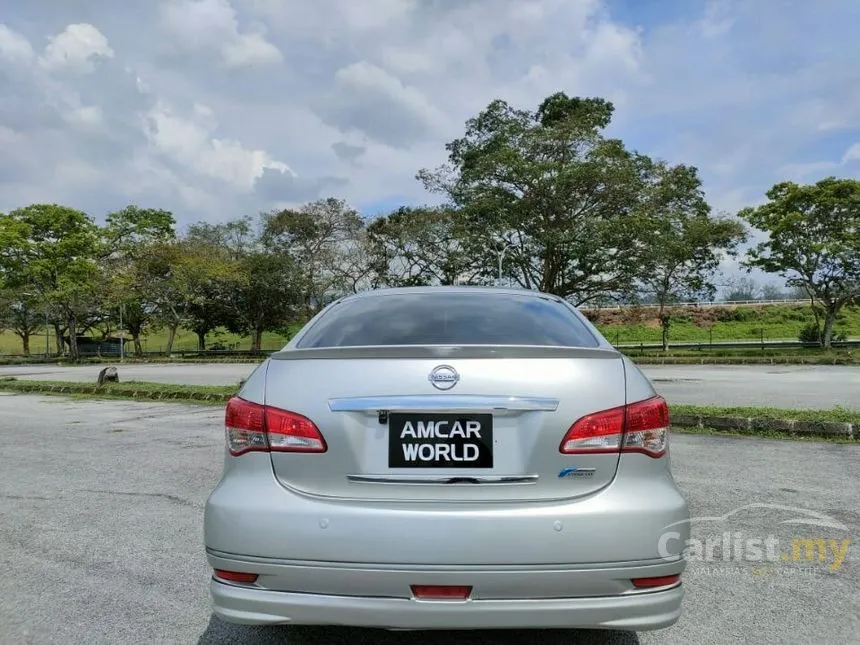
{"x": 440, "y": 440}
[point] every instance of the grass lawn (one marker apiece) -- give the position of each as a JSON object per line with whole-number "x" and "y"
{"x": 627, "y": 326}
{"x": 154, "y": 341}
{"x": 839, "y": 415}
{"x": 144, "y": 387}
{"x": 772, "y": 322}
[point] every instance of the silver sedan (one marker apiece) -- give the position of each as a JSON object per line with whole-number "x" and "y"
{"x": 447, "y": 458}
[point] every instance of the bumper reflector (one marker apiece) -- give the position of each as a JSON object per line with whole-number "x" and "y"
{"x": 440, "y": 592}
{"x": 659, "y": 581}
{"x": 236, "y": 576}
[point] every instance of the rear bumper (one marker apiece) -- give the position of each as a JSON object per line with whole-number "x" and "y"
{"x": 639, "y": 612}
{"x": 638, "y": 518}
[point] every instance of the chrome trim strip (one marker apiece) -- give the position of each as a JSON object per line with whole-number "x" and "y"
{"x": 444, "y": 479}
{"x": 443, "y": 402}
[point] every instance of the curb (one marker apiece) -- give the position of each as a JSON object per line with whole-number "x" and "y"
{"x": 130, "y": 392}
{"x": 831, "y": 429}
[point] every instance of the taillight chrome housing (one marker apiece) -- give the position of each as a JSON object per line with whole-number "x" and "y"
{"x": 641, "y": 427}
{"x": 252, "y": 427}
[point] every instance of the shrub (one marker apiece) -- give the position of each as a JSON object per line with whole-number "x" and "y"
{"x": 812, "y": 334}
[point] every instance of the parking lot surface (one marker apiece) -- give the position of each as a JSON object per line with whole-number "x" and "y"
{"x": 788, "y": 386}
{"x": 101, "y": 536}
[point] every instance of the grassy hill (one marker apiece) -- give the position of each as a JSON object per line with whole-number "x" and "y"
{"x": 773, "y": 322}
{"x": 635, "y": 325}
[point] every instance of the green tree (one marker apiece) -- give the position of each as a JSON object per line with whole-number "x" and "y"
{"x": 740, "y": 289}
{"x": 237, "y": 236}
{"x": 317, "y": 237}
{"x": 127, "y": 235}
{"x": 549, "y": 189}
{"x": 131, "y": 227}
{"x": 685, "y": 242}
{"x": 178, "y": 278}
{"x": 267, "y": 295}
{"x": 813, "y": 242}
{"x": 237, "y": 299}
{"x": 360, "y": 267}
{"x": 52, "y": 250}
{"x": 772, "y": 291}
{"x": 420, "y": 246}
{"x": 22, "y": 313}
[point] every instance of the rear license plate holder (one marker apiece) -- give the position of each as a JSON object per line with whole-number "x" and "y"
{"x": 418, "y": 440}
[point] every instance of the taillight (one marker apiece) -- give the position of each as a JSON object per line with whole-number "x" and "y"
{"x": 647, "y": 429}
{"x": 246, "y": 427}
{"x": 638, "y": 427}
{"x": 252, "y": 427}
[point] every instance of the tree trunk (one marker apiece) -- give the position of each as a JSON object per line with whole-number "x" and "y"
{"x": 25, "y": 341}
{"x": 73, "y": 337}
{"x": 827, "y": 332}
{"x": 256, "y": 340}
{"x": 171, "y": 336}
{"x": 138, "y": 350}
{"x": 201, "y": 341}
{"x": 58, "y": 335}
{"x": 665, "y": 322}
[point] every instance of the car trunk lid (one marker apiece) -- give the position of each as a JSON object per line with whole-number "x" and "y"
{"x": 488, "y": 430}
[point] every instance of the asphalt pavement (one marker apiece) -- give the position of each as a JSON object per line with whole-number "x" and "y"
{"x": 101, "y": 536}
{"x": 785, "y": 386}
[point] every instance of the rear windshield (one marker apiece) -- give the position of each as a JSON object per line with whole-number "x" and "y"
{"x": 449, "y": 319}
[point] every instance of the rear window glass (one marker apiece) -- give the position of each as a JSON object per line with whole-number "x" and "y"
{"x": 449, "y": 319}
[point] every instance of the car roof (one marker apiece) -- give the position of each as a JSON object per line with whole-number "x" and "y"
{"x": 391, "y": 291}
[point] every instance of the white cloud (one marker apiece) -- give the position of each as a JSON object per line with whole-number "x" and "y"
{"x": 87, "y": 115}
{"x": 189, "y": 141}
{"x": 75, "y": 49}
{"x": 852, "y": 154}
{"x": 718, "y": 20}
{"x": 370, "y": 100}
{"x": 374, "y": 89}
{"x": 8, "y": 137}
{"x": 250, "y": 49}
{"x": 212, "y": 24}
{"x": 14, "y": 47}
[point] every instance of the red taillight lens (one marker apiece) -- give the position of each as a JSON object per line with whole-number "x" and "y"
{"x": 291, "y": 432}
{"x": 595, "y": 433}
{"x": 246, "y": 427}
{"x": 441, "y": 592}
{"x": 638, "y": 427}
{"x": 252, "y": 427}
{"x": 659, "y": 581}
{"x": 647, "y": 429}
{"x": 236, "y": 576}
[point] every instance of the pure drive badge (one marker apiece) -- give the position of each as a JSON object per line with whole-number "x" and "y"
{"x": 573, "y": 471}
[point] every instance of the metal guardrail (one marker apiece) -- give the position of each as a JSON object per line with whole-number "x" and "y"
{"x": 180, "y": 354}
{"x": 722, "y": 303}
{"x": 738, "y": 344}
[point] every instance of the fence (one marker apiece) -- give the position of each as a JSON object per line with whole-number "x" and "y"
{"x": 734, "y": 303}
{"x": 240, "y": 355}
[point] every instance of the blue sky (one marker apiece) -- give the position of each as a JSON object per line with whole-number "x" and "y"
{"x": 216, "y": 108}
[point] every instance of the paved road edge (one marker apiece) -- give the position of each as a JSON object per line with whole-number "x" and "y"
{"x": 735, "y": 424}
{"x": 775, "y": 425}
